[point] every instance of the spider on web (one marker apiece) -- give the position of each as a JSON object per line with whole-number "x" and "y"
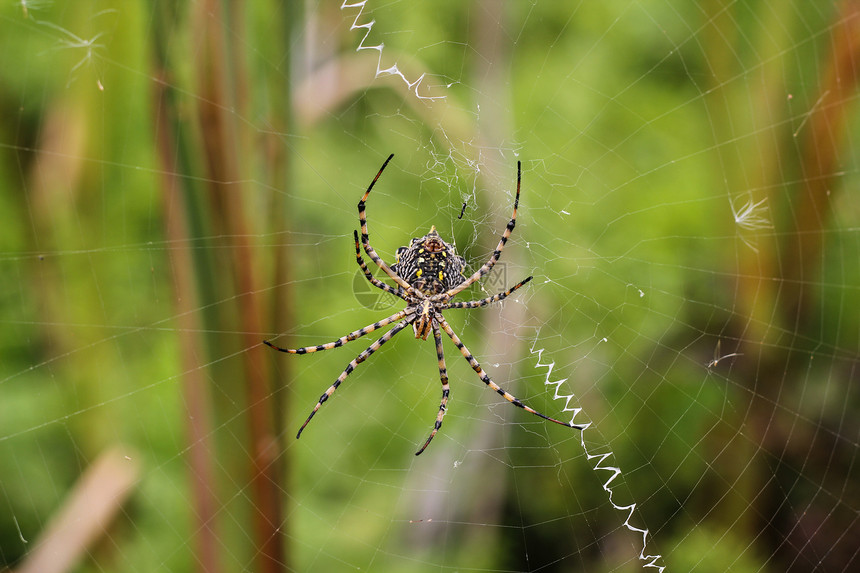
{"x": 428, "y": 273}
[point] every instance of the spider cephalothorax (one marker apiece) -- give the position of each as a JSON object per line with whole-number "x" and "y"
{"x": 428, "y": 274}
{"x": 429, "y": 264}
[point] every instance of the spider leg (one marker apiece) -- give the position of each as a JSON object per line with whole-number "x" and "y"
{"x": 365, "y": 242}
{"x": 486, "y": 379}
{"x": 501, "y": 246}
{"x": 365, "y": 354}
{"x": 373, "y": 280}
{"x": 488, "y": 300}
{"x": 343, "y": 339}
{"x": 443, "y": 376}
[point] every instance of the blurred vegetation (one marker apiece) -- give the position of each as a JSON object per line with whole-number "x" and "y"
{"x": 179, "y": 183}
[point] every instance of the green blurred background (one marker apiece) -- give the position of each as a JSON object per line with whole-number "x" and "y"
{"x": 178, "y": 183}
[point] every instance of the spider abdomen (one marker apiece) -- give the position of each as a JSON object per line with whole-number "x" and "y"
{"x": 429, "y": 264}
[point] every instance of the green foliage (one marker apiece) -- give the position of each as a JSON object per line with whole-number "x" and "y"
{"x": 638, "y": 125}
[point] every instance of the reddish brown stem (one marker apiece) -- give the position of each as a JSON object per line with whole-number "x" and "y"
{"x": 221, "y": 152}
{"x": 824, "y": 134}
{"x": 197, "y": 398}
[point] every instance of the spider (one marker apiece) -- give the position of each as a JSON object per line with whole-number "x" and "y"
{"x": 428, "y": 274}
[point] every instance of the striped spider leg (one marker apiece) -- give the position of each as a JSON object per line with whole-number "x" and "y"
{"x": 476, "y": 366}
{"x": 373, "y": 280}
{"x": 497, "y": 253}
{"x": 343, "y": 339}
{"x": 364, "y": 355}
{"x": 365, "y": 238}
{"x": 443, "y": 376}
{"x": 490, "y": 299}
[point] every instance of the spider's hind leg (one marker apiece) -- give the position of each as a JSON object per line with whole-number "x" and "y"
{"x": 369, "y": 276}
{"x": 365, "y": 237}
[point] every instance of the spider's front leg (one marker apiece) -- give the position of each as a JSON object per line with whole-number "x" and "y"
{"x": 486, "y": 379}
{"x": 343, "y": 339}
{"x": 443, "y": 376}
{"x": 365, "y": 354}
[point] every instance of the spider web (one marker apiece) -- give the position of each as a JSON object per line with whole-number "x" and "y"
{"x": 180, "y": 182}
